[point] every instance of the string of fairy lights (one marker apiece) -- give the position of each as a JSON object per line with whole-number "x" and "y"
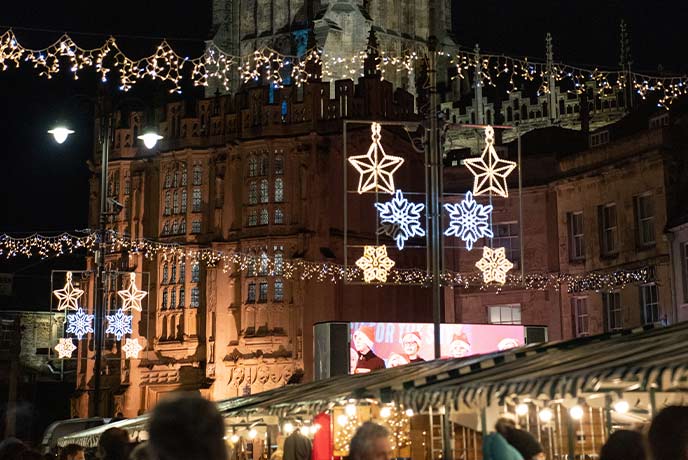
{"x": 277, "y": 69}
{"x": 299, "y": 269}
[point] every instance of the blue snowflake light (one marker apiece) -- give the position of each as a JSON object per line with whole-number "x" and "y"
{"x": 400, "y": 219}
{"x": 119, "y": 324}
{"x": 469, "y": 220}
{"x": 79, "y": 323}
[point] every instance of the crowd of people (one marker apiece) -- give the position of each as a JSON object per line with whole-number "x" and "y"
{"x": 191, "y": 428}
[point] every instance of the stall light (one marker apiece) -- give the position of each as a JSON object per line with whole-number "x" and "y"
{"x": 342, "y": 420}
{"x": 315, "y": 428}
{"x": 288, "y": 427}
{"x": 234, "y": 438}
{"x": 546, "y": 415}
{"x": 385, "y": 412}
{"x": 252, "y": 434}
{"x": 621, "y": 406}
{"x": 576, "y": 412}
{"x": 350, "y": 410}
{"x": 409, "y": 412}
{"x": 307, "y": 430}
{"x": 522, "y": 409}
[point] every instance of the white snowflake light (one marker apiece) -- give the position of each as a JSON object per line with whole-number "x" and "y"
{"x": 68, "y": 296}
{"x": 400, "y": 218}
{"x": 79, "y": 323}
{"x": 132, "y": 296}
{"x": 65, "y": 348}
{"x": 119, "y": 324}
{"x": 469, "y": 220}
{"x": 376, "y": 172}
{"x": 132, "y": 348}
{"x": 489, "y": 170}
{"x": 494, "y": 265}
{"x": 375, "y": 263}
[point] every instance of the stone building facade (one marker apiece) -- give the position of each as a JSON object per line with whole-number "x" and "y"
{"x": 237, "y": 174}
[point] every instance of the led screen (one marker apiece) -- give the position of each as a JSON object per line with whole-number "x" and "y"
{"x": 380, "y": 345}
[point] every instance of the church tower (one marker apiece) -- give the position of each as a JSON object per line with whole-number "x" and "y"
{"x": 341, "y": 28}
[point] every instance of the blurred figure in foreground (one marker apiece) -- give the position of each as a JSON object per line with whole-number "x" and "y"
{"x": 187, "y": 427}
{"x": 668, "y": 435}
{"x": 370, "y": 442}
{"x": 624, "y": 445}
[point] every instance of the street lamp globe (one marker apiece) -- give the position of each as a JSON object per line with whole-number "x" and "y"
{"x": 150, "y": 139}
{"x": 60, "y": 133}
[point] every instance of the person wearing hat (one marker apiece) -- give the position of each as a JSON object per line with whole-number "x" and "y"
{"x": 459, "y": 346}
{"x": 364, "y": 338}
{"x": 412, "y": 342}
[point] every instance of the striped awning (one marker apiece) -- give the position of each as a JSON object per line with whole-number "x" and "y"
{"x": 629, "y": 360}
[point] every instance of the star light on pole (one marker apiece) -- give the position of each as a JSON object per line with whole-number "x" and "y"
{"x": 376, "y": 168}
{"x": 494, "y": 265}
{"x": 68, "y": 296}
{"x": 400, "y": 219}
{"x": 375, "y": 263}
{"x": 132, "y": 348}
{"x": 132, "y": 296}
{"x": 489, "y": 170}
{"x": 469, "y": 220}
{"x": 65, "y": 348}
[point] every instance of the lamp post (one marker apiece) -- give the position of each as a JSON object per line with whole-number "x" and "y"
{"x": 150, "y": 139}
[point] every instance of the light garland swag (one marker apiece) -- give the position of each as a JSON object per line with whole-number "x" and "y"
{"x": 166, "y": 65}
{"x": 298, "y": 269}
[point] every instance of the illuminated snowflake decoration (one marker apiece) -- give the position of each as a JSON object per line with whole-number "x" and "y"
{"x": 68, "y": 296}
{"x": 65, "y": 348}
{"x": 79, "y": 323}
{"x": 119, "y": 324}
{"x": 132, "y": 348}
{"x": 375, "y": 263}
{"x": 469, "y": 220}
{"x": 400, "y": 219}
{"x": 132, "y": 296}
{"x": 490, "y": 171}
{"x": 376, "y": 169}
{"x": 494, "y": 265}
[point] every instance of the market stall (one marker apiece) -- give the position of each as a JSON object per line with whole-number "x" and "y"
{"x": 570, "y": 395}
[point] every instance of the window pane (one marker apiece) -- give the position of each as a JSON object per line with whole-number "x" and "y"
{"x": 279, "y": 216}
{"x": 195, "y": 273}
{"x": 279, "y": 190}
{"x": 251, "y": 297}
{"x": 264, "y": 194}
{"x": 263, "y": 292}
{"x": 264, "y": 216}
{"x": 253, "y": 193}
{"x": 279, "y": 290}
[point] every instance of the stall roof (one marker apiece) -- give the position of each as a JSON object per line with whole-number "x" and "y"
{"x": 629, "y": 360}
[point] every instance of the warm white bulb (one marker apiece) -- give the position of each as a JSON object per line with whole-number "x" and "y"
{"x": 150, "y": 139}
{"x": 288, "y": 428}
{"x": 307, "y": 430}
{"x": 60, "y": 134}
{"x": 576, "y": 412}
{"x": 621, "y": 406}
{"x": 350, "y": 410}
{"x": 409, "y": 412}
{"x": 342, "y": 420}
{"x": 385, "y": 412}
{"x": 315, "y": 428}
{"x": 234, "y": 438}
{"x": 546, "y": 415}
{"x": 252, "y": 434}
{"x": 522, "y": 409}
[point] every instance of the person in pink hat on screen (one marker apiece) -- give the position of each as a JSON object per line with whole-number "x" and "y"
{"x": 411, "y": 342}
{"x": 363, "y": 339}
{"x": 459, "y": 346}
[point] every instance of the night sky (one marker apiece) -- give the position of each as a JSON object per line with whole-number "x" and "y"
{"x": 45, "y": 186}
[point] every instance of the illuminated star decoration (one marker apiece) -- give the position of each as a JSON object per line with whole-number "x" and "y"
{"x": 79, "y": 323}
{"x": 489, "y": 170}
{"x": 132, "y": 296}
{"x": 400, "y": 219}
{"x": 375, "y": 263}
{"x": 132, "y": 348}
{"x": 494, "y": 265}
{"x": 469, "y": 220}
{"x": 376, "y": 172}
{"x": 68, "y": 296}
{"x": 119, "y": 324}
{"x": 65, "y": 348}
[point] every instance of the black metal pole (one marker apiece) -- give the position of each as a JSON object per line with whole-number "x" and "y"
{"x": 100, "y": 287}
